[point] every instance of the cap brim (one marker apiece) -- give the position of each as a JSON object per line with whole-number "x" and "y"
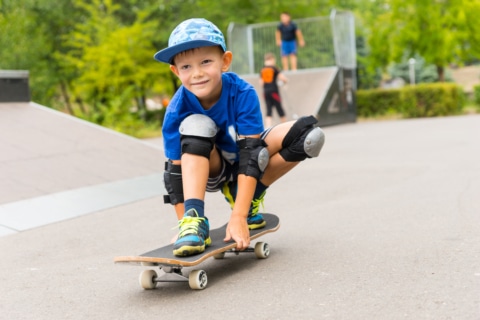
{"x": 166, "y": 55}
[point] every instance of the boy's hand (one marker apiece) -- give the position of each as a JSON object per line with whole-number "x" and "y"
{"x": 237, "y": 230}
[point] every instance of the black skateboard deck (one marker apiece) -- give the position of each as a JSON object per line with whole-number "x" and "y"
{"x": 172, "y": 265}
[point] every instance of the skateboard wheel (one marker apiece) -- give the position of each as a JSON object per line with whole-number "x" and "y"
{"x": 262, "y": 250}
{"x": 147, "y": 279}
{"x": 198, "y": 279}
{"x": 219, "y": 256}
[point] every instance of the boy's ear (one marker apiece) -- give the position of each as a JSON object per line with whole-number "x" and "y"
{"x": 174, "y": 69}
{"x": 227, "y": 60}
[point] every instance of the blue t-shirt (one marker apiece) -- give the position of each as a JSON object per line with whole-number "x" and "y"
{"x": 237, "y": 112}
{"x": 288, "y": 31}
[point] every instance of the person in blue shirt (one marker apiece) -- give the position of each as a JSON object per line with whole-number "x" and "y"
{"x": 286, "y": 37}
{"x": 214, "y": 139}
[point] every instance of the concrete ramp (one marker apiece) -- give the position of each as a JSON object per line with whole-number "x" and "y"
{"x": 320, "y": 92}
{"x": 54, "y": 166}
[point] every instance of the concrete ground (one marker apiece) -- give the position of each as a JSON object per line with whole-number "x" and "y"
{"x": 385, "y": 224}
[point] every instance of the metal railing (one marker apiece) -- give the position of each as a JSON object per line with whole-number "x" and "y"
{"x": 329, "y": 41}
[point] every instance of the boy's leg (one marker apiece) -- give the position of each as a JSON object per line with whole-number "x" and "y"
{"x": 199, "y": 158}
{"x": 278, "y": 106}
{"x": 284, "y": 53}
{"x": 285, "y": 63}
{"x": 293, "y": 61}
{"x": 293, "y": 55}
{"x": 288, "y": 144}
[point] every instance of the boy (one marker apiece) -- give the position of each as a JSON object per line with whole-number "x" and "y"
{"x": 286, "y": 37}
{"x": 268, "y": 80}
{"x": 214, "y": 139}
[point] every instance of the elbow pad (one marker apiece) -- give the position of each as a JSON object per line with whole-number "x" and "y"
{"x": 172, "y": 178}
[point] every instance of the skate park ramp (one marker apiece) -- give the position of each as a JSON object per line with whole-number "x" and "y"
{"x": 55, "y": 167}
{"x": 319, "y": 91}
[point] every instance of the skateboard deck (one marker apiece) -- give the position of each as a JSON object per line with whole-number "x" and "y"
{"x": 172, "y": 265}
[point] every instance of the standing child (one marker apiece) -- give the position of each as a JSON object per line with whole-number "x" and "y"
{"x": 214, "y": 139}
{"x": 268, "y": 80}
{"x": 286, "y": 37}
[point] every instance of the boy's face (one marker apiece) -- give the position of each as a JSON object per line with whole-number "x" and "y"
{"x": 200, "y": 71}
{"x": 285, "y": 18}
{"x": 270, "y": 61}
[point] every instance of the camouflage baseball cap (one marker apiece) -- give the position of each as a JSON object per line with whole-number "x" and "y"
{"x": 190, "y": 34}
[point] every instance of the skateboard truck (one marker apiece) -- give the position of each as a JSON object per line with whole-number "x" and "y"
{"x": 261, "y": 250}
{"x": 171, "y": 274}
{"x": 197, "y": 279}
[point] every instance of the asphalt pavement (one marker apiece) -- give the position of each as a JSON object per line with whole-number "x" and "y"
{"x": 385, "y": 224}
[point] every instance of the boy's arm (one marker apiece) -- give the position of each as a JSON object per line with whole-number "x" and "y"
{"x": 282, "y": 77}
{"x": 278, "y": 39}
{"x": 301, "y": 41}
{"x": 237, "y": 228}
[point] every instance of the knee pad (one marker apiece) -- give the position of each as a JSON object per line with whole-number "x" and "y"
{"x": 303, "y": 140}
{"x": 172, "y": 178}
{"x": 198, "y": 135}
{"x": 254, "y": 157}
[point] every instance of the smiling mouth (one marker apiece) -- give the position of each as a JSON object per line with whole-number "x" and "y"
{"x": 199, "y": 83}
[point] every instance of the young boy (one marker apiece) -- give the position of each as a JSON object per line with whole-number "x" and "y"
{"x": 286, "y": 37}
{"x": 214, "y": 139}
{"x": 268, "y": 80}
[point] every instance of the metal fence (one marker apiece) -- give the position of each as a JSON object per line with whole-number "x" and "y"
{"x": 343, "y": 29}
{"x": 329, "y": 41}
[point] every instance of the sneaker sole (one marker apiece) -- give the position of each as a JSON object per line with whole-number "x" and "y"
{"x": 185, "y": 251}
{"x": 254, "y": 226}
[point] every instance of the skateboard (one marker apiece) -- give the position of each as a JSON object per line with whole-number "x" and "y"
{"x": 171, "y": 266}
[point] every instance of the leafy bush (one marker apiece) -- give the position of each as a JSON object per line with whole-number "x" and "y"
{"x": 476, "y": 95}
{"x": 376, "y": 102}
{"x": 423, "y": 100}
{"x": 117, "y": 114}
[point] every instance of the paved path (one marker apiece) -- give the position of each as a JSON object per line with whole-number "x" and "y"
{"x": 384, "y": 225}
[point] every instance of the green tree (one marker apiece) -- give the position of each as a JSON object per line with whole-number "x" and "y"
{"x": 442, "y": 32}
{"x": 111, "y": 60}
{"x": 26, "y": 43}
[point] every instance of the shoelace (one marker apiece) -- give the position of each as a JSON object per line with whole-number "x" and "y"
{"x": 256, "y": 203}
{"x": 188, "y": 225}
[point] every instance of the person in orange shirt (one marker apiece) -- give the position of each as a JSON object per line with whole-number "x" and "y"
{"x": 268, "y": 80}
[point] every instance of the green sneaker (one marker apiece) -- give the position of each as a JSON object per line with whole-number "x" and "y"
{"x": 193, "y": 237}
{"x": 255, "y": 219}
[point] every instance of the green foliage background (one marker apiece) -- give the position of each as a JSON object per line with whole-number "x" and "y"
{"x": 423, "y": 100}
{"x": 93, "y": 58}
